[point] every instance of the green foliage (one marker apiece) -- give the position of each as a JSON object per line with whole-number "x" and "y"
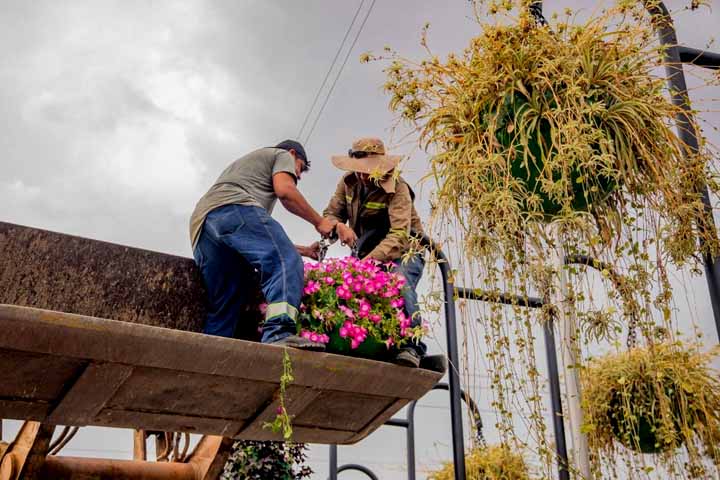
{"x": 283, "y": 423}
{"x": 266, "y": 460}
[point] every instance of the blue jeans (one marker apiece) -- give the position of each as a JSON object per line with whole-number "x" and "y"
{"x": 412, "y": 270}
{"x": 239, "y": 244}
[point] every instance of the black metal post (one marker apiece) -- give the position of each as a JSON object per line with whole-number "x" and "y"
{"x": 333, "y": 462}
{"x": 472, "y": 408}
{"x": 410, "y": 437}
{"x": 686, "y": 132}
{"x": 454, "y": 367}
{"x": 556, "y": 401}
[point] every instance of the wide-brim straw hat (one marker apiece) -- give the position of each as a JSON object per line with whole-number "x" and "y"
{"x": 376, "y": 162}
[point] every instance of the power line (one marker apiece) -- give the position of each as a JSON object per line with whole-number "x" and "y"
{"x": 332, "y": 87}
{"x": 332, "y": 65}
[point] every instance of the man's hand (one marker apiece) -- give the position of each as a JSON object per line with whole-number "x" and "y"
{"x": 310, "y": 251}
{"x": 326, "y": 226}
{"x": 346, "y": 235}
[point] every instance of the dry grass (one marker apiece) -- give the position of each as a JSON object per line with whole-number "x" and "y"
{"x": 532, "y": 123}
{"x": 654, "y": 400}
{"x": 497, "y": 462}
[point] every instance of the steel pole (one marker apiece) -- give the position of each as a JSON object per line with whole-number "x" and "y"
{"x": 453, "y": 359}
{"x": 454, "y": 370}
{"x": 556, "y": 400}
{"x": 333, "y": 462}
{"x": 570, "y": 354}
{"x": 410, "y": 436}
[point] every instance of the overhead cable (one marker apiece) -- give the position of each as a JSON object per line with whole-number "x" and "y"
{"x": 332, "y": 66}
{"x": 347, "y": 56}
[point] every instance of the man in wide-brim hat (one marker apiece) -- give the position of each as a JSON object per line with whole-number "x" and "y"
{"x": 374, "y": 209}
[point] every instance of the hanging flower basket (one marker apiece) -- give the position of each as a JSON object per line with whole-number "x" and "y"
{"x": 653, "y": 400}
{"x": 355, "y": 307}
{"x": 495, "y": 462}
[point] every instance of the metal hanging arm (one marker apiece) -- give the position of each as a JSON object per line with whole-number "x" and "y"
{"x": 699, "y": 58}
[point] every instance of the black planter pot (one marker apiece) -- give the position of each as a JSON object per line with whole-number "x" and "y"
{"x": 530, "y": 170}
{"x": 641, "y": 435}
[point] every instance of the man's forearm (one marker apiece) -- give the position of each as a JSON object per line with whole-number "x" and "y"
{"x": 296, "y": 204}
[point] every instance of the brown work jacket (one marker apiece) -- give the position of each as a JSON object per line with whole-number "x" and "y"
{"x": 388, "y": 208}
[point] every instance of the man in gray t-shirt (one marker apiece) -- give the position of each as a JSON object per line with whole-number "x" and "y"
{"x": 234, "y": 238}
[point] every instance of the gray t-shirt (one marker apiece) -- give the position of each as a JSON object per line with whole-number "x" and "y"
{"x": 247, "y": 181}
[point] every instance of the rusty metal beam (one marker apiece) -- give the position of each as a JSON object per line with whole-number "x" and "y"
{"x": 210, "y": 456}
{"x": 139, "y": 445}
{"x": 26, "y": 454}
{"x": 205, "y": 463}
{"x": 73, "y": 468}
{"x": 89, "y": 394}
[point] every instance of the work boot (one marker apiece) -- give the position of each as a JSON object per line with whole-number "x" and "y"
{"x": 407, "y": 357}
{"x": 296, "y": 341}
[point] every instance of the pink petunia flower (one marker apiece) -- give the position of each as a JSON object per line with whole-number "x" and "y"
{"x": 348, "y": 313}
{"x": 397, "y": 303}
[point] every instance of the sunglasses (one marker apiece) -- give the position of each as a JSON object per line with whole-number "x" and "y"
{"x": 359, "y": 154}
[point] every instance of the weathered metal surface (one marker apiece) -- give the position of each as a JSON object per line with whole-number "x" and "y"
{"x": 26, "y": 454}
{"x": 75, "y": 468}
{"x": 205, "y": 463}
{"x": 139, "y": 376}
{"x": 71, "y": 274}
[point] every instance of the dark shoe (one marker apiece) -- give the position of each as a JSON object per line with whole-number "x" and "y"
{"x": 295, "y": 341}
{"x": 407, "y": 358}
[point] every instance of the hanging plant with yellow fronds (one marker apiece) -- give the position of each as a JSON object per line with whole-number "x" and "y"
{"x": 568, "y": 125}
{"x": 534, "y": 123}
{"x": 494, "y": 462}
{"x": 654, "y": 400}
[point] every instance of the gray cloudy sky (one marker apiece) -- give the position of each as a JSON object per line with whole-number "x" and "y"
{"x": 116, "y": 116}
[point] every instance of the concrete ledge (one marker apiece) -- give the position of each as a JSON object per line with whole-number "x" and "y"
{"x": 71, "y": 274}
